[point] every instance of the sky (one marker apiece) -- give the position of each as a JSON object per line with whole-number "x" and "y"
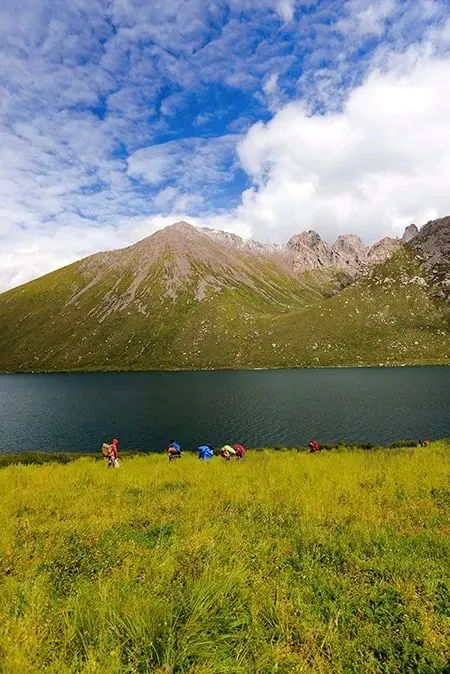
{"x": 262, "y": 117}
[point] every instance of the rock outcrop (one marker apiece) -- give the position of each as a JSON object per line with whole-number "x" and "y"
{"x": 432, "y": 247}
{"x": 410, "y": 232}
{"x": 383, "y": 249}
{"x": 349, "y": 253}
{"x": 309, "y": 251}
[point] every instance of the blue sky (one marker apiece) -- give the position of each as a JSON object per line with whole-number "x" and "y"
{"x": 264, "y": 117}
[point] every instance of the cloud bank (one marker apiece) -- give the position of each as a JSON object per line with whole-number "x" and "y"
{"x": 381, "y": 163}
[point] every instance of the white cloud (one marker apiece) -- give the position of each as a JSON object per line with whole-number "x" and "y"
{"x": 379, "y": 164}
{"x": 191, "y": 162}
{"x": 271, "y": 85}
{"x": 272, "y": 92}
{"x": 368, "y": 17}
{"x": 286, "y": 9}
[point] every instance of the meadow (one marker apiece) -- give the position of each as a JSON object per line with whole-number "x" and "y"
{"x": 285, "y": 562}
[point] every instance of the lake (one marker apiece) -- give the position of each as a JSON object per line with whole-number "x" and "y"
{"x": 146, "y": 410}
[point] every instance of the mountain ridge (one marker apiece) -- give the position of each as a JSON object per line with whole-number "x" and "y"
{"x": 348, "y": 252}
{"x": 187, "y": 297}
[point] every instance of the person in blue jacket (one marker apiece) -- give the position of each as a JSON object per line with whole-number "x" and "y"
{"x": 174, "y": 451}
{"x": 205, "y": 452}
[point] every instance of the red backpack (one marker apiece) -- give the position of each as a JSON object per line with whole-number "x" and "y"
{"x": 240, "y": 450}
{"x": 314, "y": 446}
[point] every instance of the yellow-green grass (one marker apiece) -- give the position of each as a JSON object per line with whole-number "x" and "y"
{"x": 285, "y": 562}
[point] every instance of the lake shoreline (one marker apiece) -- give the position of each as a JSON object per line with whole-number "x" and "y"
{"x": 39, "y": 457}
{"x": 228, "y": 369}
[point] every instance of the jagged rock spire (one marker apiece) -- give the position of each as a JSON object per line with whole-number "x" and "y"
{"x": 410, "y": 232}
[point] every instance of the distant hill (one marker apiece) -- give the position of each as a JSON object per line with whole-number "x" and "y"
{"x": 189, "y": 297}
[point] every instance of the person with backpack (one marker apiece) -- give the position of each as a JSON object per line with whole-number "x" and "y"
{"x": 113, "y": 459}
{"x": 205, "y": 452}
{"x": 240, "y": 450}
{"x": 227, "y": 452}
{"x": 314, "y": 447}
{"x": 174, "y": 451}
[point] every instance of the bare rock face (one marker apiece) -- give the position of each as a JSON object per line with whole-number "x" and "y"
{"x": 309, "y": 251}
{"x": 229, "y": 239}
{"x": 350, "y": 253}
{"x": 432, "y": 247}
{"x": 383, "y": 249}
{"x": 410, "y": 232}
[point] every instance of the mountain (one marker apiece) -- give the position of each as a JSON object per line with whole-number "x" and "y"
{"x": 189, "y": 297}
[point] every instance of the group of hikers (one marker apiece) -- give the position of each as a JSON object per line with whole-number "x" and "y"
{"x": 204, "y": 452}
{"x": 227, "y": 452}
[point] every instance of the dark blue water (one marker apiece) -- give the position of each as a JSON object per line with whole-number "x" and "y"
{"x": 77, "y": 412}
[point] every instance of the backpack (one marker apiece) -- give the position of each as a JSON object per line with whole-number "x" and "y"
{"x": 106, "y": 449}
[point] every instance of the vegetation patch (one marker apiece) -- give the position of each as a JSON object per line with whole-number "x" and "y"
{"x": 284, "y": 562}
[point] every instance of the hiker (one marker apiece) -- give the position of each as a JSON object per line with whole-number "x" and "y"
{"x": 205, "y": 452}
{"x": 314, "y": 447}
{"x": 240, "y": 450}
{"x": 227, "y": 452}
{"x": 113, "y": 461}
{"x": 174, "y": 451}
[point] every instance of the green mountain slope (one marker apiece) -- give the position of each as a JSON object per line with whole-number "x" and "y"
{"x": 390, "y": 317}
{"x": 169, "y": 301}
{"x": 183, "y": 299}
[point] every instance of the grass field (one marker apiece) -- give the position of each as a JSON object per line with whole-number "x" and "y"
{"x": 285, "y": 562}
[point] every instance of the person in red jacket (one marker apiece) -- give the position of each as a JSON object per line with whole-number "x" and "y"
{"x": 314, "y": 447}
{"x": 114, "y": 454}
{"x": 240, "y": 450}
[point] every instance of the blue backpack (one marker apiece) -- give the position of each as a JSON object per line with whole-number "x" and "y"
{"x": 205, "y": 452}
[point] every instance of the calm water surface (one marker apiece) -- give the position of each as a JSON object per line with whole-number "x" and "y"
{"x": 77, "y": 412}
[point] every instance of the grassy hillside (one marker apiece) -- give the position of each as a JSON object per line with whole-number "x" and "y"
{"x": 106, "y": 312}
{"x": 285, "y": 562}
{"x": 390, "y": 317}
{"x": 100, "y": 315}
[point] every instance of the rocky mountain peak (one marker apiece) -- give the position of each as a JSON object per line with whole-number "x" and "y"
{"x": 432, "y": 247}
{"x": 410, "y": 232}
{"x": 310, "y": 239}
{"x": 350, "y": 244}
{"x": 183, "y": 245}
{"x": 181, "y": 226}
{"x": 381, "y": 250}
{"x": 178, "y": 229}
{"x": 309, "y": 251}
{"x": 349, "y": 252}
{"x": 221, "y": 236}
